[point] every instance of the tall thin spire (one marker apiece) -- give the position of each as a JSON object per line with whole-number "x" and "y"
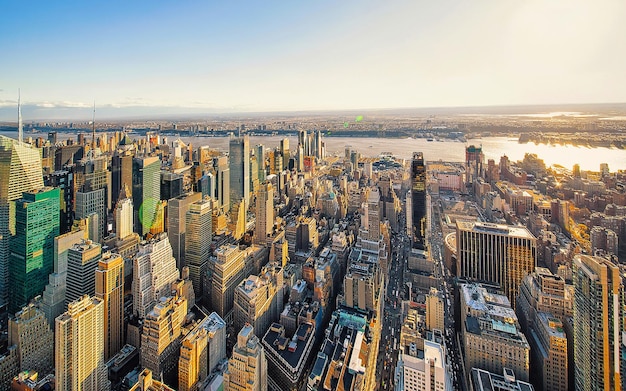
{"x": 93, "y": 129}
{"x": 20, "y": 127}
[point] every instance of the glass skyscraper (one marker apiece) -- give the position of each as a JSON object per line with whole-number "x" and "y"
{"x": 20, "y": 170}
{"x": 239, "y": 150}
{"x": 146, "y": 191}
{"x": 37, "y": 221}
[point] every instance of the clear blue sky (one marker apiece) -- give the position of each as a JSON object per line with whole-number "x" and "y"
{"x": 299, "y": 55}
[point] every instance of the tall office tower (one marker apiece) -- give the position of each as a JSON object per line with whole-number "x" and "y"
{"x": 90, "y": 203}
{"x": 53, "y": 298}
{"x": 373, "y": 215}
{"x": 300, "y": 159}
{"x": 264, "y": 213}
{"x": 259, "y": 300}
{"x": 160, "y": 338}
{"x": 32, "y": 248}
{"x": 200, "y": 352}
{"x": 318, "y": 145}
{"x": 239, "y": 158}
{"x": 222, "y": 188}
{"x": 82, "y": 262}
{"x": 198, "y": 242}
{"x": 124, "y": 218}
{"x": 93, "y": 173}
{"x": 254, "y": 179}
{"x": 490, "y": 334}
{"x": 362, "y": 285}
{"x": 495, "y": 253}
{"x": 122, "y": 172}
{"x": 284, "y": 151}
{"x": 303, "y": 141}
{"x": 30, "y": 332}
{"x": 177, "y": 224}
{"x": 434, "y": 310}
{"x": 20, "y": 169}
{"x": 146, "y": 192}
{"x": 247, "y": 367}
{"x": 598, "y": 324}
{"x": 227, "y": 272}
{"x": 110, "y": 288}
{"x": 154, "y": 270}
{"x": 259, "y": 152}
{"x": 418, "y": 200}
{"x": 79, "y": 347}
{"x": 424, "y": 371}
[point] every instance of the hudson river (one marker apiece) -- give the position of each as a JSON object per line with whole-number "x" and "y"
{"x": 493, "y": 148}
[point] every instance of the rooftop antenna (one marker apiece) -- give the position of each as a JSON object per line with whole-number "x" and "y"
{"x": 20, "y": 127}
{"x": 93, "y": 128}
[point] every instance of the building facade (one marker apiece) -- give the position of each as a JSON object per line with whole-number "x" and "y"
{"x": 597, "y": 323}
{"x": 495, "y": 253}
{"x": 79, "y": 347}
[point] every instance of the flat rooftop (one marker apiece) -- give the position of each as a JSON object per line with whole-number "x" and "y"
{"x": 495, "y": 229}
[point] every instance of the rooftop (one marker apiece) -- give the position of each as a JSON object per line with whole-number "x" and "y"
{"x": 495, "y": 229}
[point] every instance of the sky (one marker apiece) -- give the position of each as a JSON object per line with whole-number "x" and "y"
{"x": 249, "y": 56}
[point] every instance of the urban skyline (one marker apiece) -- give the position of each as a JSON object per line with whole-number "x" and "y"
{"x": 313, "y": 196}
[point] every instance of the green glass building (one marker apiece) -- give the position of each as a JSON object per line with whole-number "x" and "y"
{"x": 146, "y": 191}
{"x": 31, "y": 260}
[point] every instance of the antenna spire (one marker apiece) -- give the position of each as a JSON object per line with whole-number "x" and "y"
{"x": 93, "y": 129}
{"x": 20, "y": 127}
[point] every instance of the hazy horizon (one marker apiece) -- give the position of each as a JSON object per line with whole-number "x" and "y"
{"x": 30, "y": 113}
{"x": 146, "y": 59}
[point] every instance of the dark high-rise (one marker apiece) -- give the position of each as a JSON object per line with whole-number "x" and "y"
{"x": 121, "y": 174}
{"x": 418, "y": 200}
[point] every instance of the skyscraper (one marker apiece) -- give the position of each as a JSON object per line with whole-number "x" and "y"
{"x": 122, "y": 171}
{"x": 82, "y": 262}
{"x": 200, "y": 352}
{"x": 53, "y": 300}
{"x": 30, "y": 332}
{"x": 198, "y": 242}
{"x": 259, "y": 300}
{"x": 110, "y": 288}
{"x": 124, "y": 218}
{"x": 160, "y": 338}
{"x": 32, "y": 247}
{"x": 20, "y": 170}
{"x": 495, "y": 253}
{"x": 598, "y": 324}
{"x": 418, "y": 201}
{"x": 146, "y": 191}
{"x": 92, "y": 202}
{"x": 247, "y": 367}
{"x": 264, "y": 213}
{"x": 177, "y": 224}
{"x": 79, "y": 347}
{"x": 373, "y": 215}
{"x": 239, "y": 157}
{"x": 227, "y": 272}
{"x": 154, "y": 271}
